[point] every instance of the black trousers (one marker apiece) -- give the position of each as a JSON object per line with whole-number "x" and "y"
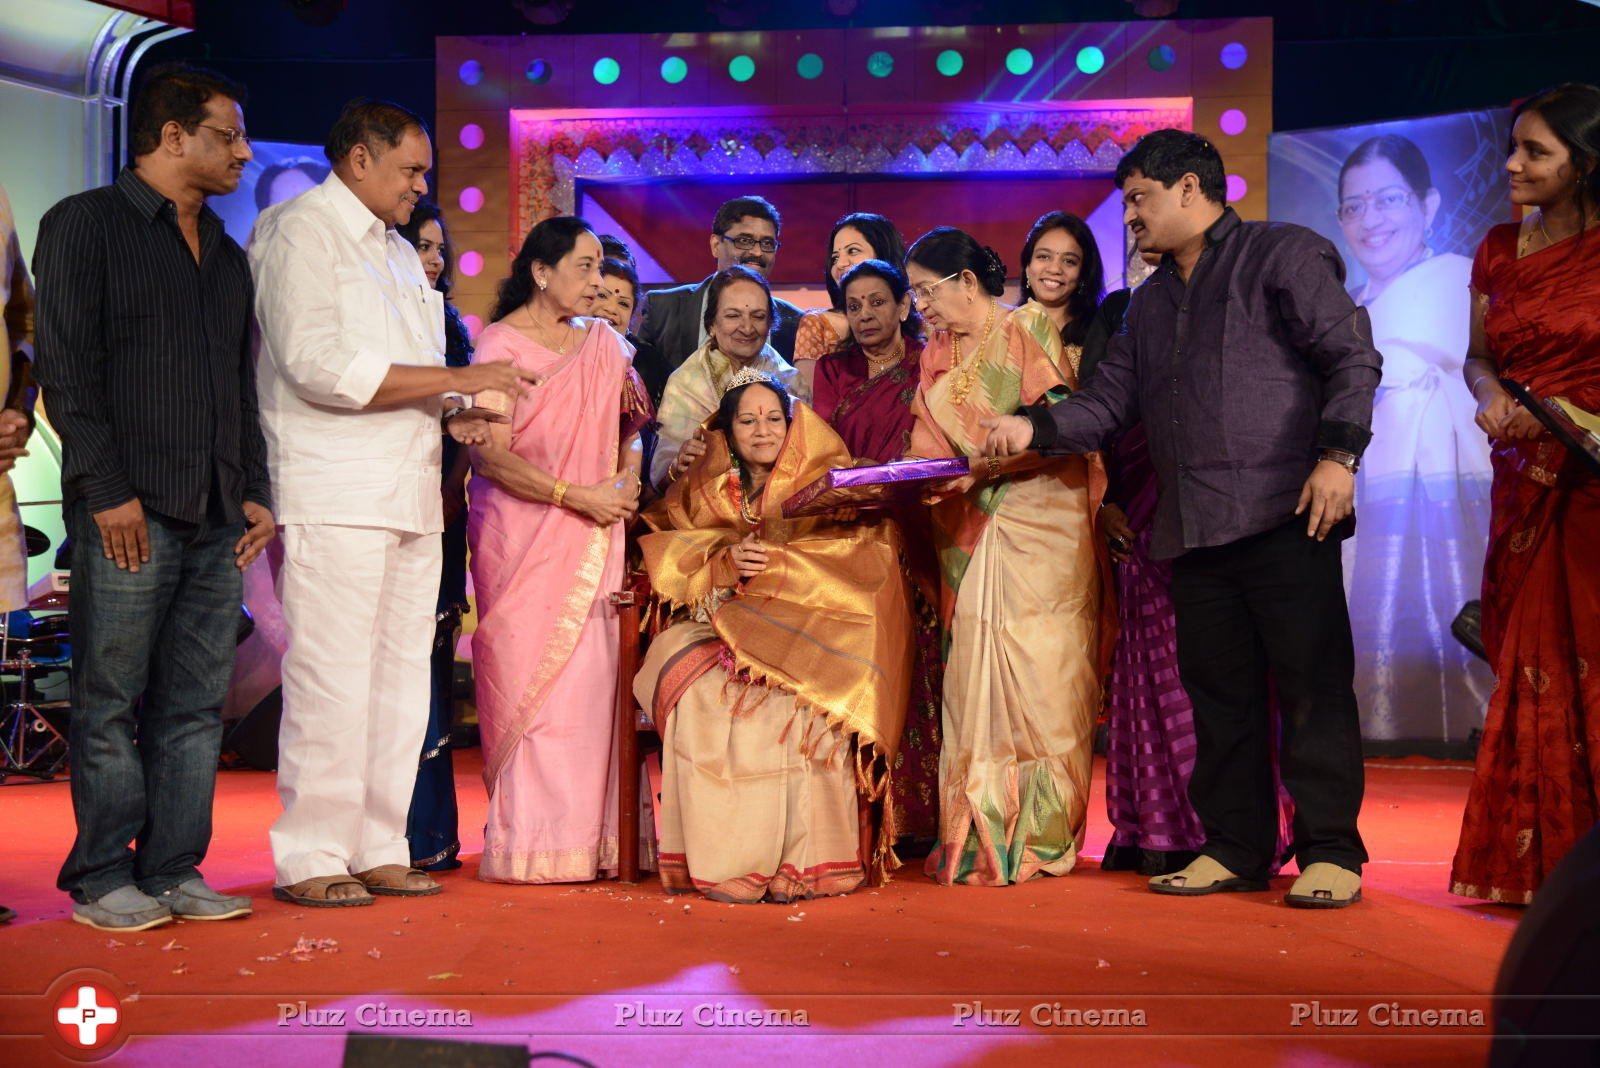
{"x": 1271, "y": 604}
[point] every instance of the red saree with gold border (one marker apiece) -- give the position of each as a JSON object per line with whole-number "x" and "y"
{"x": 1533, "y": 792}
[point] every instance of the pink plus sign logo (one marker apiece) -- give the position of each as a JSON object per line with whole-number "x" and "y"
{"x": 87, "y": 1015}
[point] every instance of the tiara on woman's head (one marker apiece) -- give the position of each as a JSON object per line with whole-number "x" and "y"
{"x": 746, "y": 376}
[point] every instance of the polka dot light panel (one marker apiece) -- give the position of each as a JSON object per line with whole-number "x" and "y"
{"x": 1082, "y": 62}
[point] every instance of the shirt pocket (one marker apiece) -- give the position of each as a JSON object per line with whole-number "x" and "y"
{"x": 362, "y": 307}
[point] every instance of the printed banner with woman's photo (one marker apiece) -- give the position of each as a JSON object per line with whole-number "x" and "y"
{"x": 1407, "y": 203}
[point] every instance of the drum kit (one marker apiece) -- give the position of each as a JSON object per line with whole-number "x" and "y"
{"x": 34, "y": 646}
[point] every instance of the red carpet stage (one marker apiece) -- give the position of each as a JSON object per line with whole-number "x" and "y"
{"x": 1089, "y": 965}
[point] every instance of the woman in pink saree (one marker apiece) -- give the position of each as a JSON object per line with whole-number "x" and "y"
{"x": 550, "y": 499}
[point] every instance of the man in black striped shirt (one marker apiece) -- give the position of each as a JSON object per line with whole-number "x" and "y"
{"x": 144, "y": 351}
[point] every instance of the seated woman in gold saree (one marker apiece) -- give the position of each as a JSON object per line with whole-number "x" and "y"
{"x": 780, "y": 691}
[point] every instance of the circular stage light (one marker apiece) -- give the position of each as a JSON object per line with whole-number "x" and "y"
{"x": 1237, "y": 188}
{"x": 809, "y": 66}
{"x": 674, "y": 70}
{"x": 1019, "y": 61}
{"x": 471, "y": 199}
{"x": 1235, "y": 55}
{"x": 540, "y": 71}
{"x": 949, "y": 63}
{"x": 1091, "y": 60}
{"x": 471, "y": 136}
{"x": 471, "y": 264}
{"x": 473, "y": 324}
{"x": 741, "y": 68}
{"x": 880, "y": 64}
{"x": 607, "y": 70}
{"x": 470, "y": 72}
{"x": 1233, "y": 122}
{"x": 1162, "y": 57}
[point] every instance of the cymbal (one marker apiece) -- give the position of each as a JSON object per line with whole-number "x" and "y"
{"x": 38, "y": 542}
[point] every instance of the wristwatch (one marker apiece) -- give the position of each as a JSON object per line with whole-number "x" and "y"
{"x": 1347, "y": 460}
{"x": 451, "y": 413}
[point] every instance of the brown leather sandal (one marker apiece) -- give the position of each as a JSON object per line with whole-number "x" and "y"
{"x": 313, "y": 893}
{"x": 391, "y": 879}
{"x": 1324, "y": 886}
{"x": 1204, "y": 876}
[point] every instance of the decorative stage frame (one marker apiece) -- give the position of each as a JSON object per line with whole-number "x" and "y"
{"x": 522, "y": 121}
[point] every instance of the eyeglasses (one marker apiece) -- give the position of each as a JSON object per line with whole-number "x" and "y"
{"x": 746, "y": 243}
{"x": 924, "y": 293}
{"x": 230, "y": 136}
{"x": 1389, "y": 200}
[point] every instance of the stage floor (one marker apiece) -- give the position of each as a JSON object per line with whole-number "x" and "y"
{"x": 1090, "y": 964}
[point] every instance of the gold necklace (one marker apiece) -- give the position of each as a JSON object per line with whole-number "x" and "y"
{"x": 537, "y": 325}
{"x": 878, "y": 364}
{"x": 966, "y": 374}
{"x": 1527, "y": 236}
{"x": 745, "y": 501}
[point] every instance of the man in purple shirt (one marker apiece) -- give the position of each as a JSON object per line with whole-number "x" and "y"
{"x": 1253, "y": 373}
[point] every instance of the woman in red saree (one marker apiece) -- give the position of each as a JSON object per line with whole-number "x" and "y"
{"x": 1536, "y": 320}
{"x": 865, "y": 391}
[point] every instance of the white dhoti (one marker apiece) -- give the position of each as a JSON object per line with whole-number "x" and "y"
{"x": 359, "y": 604}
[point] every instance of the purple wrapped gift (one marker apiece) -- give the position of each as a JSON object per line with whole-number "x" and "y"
{"x": 871, "y": 487}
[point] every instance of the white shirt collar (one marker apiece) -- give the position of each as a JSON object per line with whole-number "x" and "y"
{"x": 356, "y": 216}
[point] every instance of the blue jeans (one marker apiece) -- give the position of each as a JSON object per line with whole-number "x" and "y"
{"x": 152, "y": 654}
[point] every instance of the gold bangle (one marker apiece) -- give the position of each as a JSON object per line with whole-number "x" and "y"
{"x": 994, "y": 467}
{"x": 562, "y": 485}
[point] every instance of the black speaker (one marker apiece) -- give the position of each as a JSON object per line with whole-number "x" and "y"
{"x": 1547, "y": 995}
{"x": 382, "y": 1051}
{"x": 254, "y": 739}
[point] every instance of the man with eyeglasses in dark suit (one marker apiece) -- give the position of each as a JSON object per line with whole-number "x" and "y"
{"x": 745, "y": 231}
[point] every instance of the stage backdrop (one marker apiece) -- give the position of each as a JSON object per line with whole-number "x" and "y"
{"x": 983, "y": 125}
{"x": 1407, "y": 203}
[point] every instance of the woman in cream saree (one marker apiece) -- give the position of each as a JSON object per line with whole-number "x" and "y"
{"x": 781, "y": 691}
{"x": 1027, "y": 614}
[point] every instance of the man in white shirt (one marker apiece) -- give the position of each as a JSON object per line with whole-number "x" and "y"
{"x": 351, "y": 376}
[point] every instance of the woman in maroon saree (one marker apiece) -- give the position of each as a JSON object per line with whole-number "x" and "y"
{"x": 864, "y": 390}
{"x": 1536, "y": 320}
